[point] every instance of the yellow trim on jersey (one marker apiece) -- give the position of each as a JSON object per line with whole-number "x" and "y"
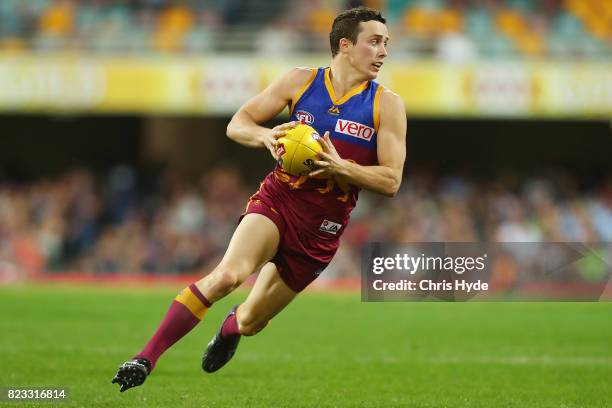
{"x": 376, "y": 110}
{"x": 332, "y": 94}
{"x": 299, "y": 93}
{"x": 191, "y": 302}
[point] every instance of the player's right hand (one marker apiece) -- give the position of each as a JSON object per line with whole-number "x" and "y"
{"x": 270, "y": 138}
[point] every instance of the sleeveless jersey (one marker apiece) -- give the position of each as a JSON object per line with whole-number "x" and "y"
{"x": 322, "y": 206}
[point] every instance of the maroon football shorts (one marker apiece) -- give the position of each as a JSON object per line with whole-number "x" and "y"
{"x": 300, "y": 258}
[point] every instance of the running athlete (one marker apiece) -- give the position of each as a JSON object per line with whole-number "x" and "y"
{"x": 291, "y": 227}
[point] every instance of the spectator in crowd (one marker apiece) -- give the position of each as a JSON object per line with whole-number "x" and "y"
{"x": 454, "y": 31}
{"x": 75, "y": 223}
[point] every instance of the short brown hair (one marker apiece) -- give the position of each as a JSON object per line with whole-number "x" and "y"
{"x": 346, "y": 25}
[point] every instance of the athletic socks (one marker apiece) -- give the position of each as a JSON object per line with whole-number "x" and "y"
{"x": 185, "y": 312}
{"x": 230, "y": 324}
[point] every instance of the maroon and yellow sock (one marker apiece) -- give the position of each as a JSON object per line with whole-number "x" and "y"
{"x": 185, "y": 312}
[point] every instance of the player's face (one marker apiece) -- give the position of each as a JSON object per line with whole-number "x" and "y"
{"x": 370, "y": 49}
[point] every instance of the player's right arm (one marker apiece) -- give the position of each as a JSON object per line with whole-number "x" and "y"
{"x": 245, "y": 127}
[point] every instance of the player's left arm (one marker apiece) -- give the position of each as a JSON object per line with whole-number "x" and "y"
{"x": 386, "y": 177}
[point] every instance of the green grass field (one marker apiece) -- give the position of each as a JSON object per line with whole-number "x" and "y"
{"x": 325, "y": 350}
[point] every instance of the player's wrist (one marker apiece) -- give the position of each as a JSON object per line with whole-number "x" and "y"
{"x": 344, "y": 169}
{"x": 261, "y": 135}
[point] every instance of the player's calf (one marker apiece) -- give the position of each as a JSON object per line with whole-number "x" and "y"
{"x": 222, "y": 347}
{"x": 186, "y": 310}
{"x": 249, "y": 322}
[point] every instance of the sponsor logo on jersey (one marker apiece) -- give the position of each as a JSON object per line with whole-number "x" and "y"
{"x": 354, "y": 129}
{"x": 334, "y": 110}
{"x": 305, "y": 117}
{"x": 330, "y": 227}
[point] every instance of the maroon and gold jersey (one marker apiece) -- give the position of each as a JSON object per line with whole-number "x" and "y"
{"x": 352, "y": 122}
{"x": 312, "y": 212}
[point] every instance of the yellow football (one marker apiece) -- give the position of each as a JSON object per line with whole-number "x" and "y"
{"x": 298, "y": 149}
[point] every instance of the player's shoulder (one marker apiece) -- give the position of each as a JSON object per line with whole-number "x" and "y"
{"x": 392, "y": 109}
{"x": 295, "y": 78}
{"x": 300, "y": 75}
{"x": 302, "y": 72}
{"x": 390, "y": 99}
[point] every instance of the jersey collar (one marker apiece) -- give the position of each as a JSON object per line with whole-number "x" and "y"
{"x": 332, "y": 94}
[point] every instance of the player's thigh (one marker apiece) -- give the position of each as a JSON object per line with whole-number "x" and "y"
{"x": 268, "y": 297}
{"x": 253, "y": 244}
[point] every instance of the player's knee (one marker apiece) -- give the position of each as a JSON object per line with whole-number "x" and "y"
{"x": 249, "y": 323}
{"x": 226, "y": 278}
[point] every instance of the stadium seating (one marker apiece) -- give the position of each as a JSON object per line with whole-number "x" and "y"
{"x": 504, "y": 29}
{"x": 73, "y": 223}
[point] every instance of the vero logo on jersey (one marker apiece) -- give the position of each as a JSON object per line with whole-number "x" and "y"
{"x": 354, "y": 129}
{"x": 305, "y": 117}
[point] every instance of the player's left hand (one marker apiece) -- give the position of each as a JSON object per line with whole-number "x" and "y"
{"x": 331, "y": 163}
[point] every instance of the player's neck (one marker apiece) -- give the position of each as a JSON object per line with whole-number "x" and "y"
{"x": 344, "y": 78}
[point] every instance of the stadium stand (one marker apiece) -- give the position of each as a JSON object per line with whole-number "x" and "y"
{"x": 115, "y": 225}
{"x": 425, "y": 28}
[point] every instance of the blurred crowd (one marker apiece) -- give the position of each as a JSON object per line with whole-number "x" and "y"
{"x": 455, "y": 30}
{"x": 75, "y": 223}
{"x": 119, "y": 223}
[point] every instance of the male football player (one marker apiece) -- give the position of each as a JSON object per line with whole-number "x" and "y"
{"x": 291, "y": 226}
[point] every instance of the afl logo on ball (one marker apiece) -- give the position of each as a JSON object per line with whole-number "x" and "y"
{"x": 280, "y": 149}
{"x": 304, "y": 117}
